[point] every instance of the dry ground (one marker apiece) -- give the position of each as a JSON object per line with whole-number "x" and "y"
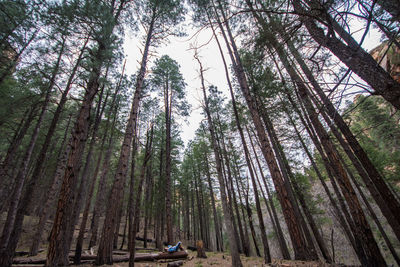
{"x": 221, "y": 260}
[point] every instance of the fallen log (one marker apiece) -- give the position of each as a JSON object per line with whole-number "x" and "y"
{"x": 29, "y": 261}
{"x": 116, "y": 258}
{"x": 142, "y": 239}
{"x": 144, "y": 256}
{"x": 23, "y": 253}
{"x": 192, "y": 248}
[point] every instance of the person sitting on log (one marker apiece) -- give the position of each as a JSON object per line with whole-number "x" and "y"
{"x": 175, "y": 248}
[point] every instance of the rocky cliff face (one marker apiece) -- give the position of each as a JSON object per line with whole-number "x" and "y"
{"x": 388, "y": 58}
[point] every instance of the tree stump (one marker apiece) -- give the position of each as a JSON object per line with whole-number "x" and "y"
{"x": 200, "y": 249}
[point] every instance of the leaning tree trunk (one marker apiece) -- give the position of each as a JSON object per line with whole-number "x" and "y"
{"x": 18, "y": 205}
{"x": 104, "y": 255}
{"x": 356, "y": 58}
{"x": 298, "y": 241}
{"x": 52, "y": 193}
{"x": 274, "y": 217}
{"x": 82, "y": 228}
{"x": 370, "y": 175}
{"x": 135, "y": 222}
{"x": 6, "y": 164}
{"x": 62, "y": 221}
{"x": 362, "y": 231}
{"x": 216, "y": 220}
{"x": 236, "y": 262}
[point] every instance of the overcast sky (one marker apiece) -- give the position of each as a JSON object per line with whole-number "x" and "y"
{"x": 180, "y": 50}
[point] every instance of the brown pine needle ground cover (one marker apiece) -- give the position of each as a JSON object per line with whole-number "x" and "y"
{"x": 218, "y": 259}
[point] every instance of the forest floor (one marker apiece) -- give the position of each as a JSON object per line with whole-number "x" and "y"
{"x": 221, "y": 260}
{"x": 213, "y": 258}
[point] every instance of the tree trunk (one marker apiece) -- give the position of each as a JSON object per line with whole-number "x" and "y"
{"x": 57, "y": 250}
{"x": 6, "y": 177}
{"x": 15, "y": 216}
{"x": 52, "y": 193}
{"x": 216, "y": 220}
{"x": 132, "y": 235}
{"x": 228, "y": 223}
{"x": 362, "y": 232}
{"x": 104, "y": 255}
{"x": 342, "y": 220}
{"x": 370, "y": 175}
{"x": 274, "y": 217}
{"x": 79, "y": 242}
{"x": 168, "y": 184}
{"x": 299, "y": 244}
{"x": 148, "y": 200}
{"x": 357, "y": 59}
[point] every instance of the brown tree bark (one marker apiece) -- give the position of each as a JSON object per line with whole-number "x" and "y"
{"x": 274, "y": 217}
{"x": 229, "y": 193}
{"x": 42, "y": 153}
{"x": 100, "y": 197}
{"x": 267, "y": 256}
{"x": 135, "y": 222}
{"x": 215, "y": 216}
{"x": 148, "y": 200}
{"x": 56, "y": 251}
{"x": 113, "y": 109}
{"x": 285, "y": 165}
{"x": 363, "y": 237}
{"x": 370, "y": 175}
{"x": 18, "y": 204}
{"x": 51, "y": 193}
{"x": 362, "y": 231}
{"x": 344, "y": 217}
{"x": 236, "y": 262}
{"x": 357, "y": 59}
{"x": 104, "y": 255}
{"x": 298, "y": 241}
{"x": 7, "y": 180}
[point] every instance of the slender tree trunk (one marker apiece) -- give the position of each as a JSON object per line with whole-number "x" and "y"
{"x": 104, "y": 255}
{"x": 216, "y": 221}
{"x": 64, "y": 212}
{"x": 357, "y": 59}
{"x": 362, "y": 231}
{"x": 15, "y": 216}
{"x": 79, "y": 242}
{"x": 81, "y": 193}
{"x": 264, "y": 239}
{"x": 387, "y": 202}
{"x": 344, "y": 222}
{"x": 229, "y": 194}
{"x": 124, "y": 235}
{"x": 199, "y": 206}
{"x": 148, "y": 201}
{"x": 168, "y": 184}
{"x": 299, "y": 244}
{"x": 147, "y": 156}
{"x": 230, "y": 190}
{"x": 250, "y": 216}
{"x": 274, "y": 217}
{"x": 6, "y": 177}
{"x": 236, "y": 262}
{"x": 100, "y": 197}
{"x": 52, "y": 193}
